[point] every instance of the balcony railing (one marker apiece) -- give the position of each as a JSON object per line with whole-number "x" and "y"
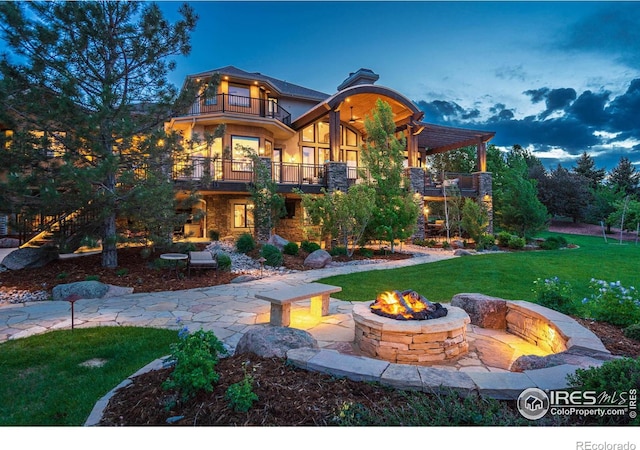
{"x": 226, "y": 103}
{"x": 214, "y": 170}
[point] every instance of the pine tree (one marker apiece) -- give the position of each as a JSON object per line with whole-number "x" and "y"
{"x": 625, "y": 177}
{"x": 87, "y": 94}
{"x": 586, "y": 167}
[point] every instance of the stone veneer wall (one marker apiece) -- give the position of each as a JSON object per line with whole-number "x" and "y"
{"x": 535, "y": 328}
{"x": 483, "y": 183}
{"x": 416, "y": 342}
{"x": 416, "y": 179}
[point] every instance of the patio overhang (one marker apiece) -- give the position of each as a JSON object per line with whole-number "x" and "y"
{"x": 436, "y": 139}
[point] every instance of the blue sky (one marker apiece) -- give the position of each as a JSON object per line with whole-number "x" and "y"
{"x": 558, "y": 78}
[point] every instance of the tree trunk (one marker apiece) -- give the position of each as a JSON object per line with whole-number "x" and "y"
{"x": 109, "y": 247}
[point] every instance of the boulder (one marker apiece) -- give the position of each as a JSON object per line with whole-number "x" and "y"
{"x": 82, "y": 289}
{"x": 243, "y": 279}
{"x": 462, "y": 252}
{"x": 278, "y": 241}
{"x": 9, "y": 243}
{"x": 582, "y": 360}
{"x": 484, "y": 311}
{"x": 317, "y": 259}
{"x": 269, "y": 341}
{"x": 456, "y": 243}
{"x": 30, "y": 257}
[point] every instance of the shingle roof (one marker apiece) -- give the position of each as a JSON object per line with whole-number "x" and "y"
{"x": 283, "y": 87}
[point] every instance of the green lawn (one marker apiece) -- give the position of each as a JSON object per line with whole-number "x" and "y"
{"x": 505, "y": 275}
{"x": 44, "y": 384}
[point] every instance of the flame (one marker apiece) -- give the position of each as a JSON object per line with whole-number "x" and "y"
{"x": 395, "y": 303}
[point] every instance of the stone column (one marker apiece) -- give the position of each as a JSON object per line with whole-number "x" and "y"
{"x": 336, "y": 176}
{"x": 262, "y": 228}
{"x": 483, "y": 182}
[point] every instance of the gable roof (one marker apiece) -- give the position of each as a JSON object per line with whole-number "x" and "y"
{"x": 284, "y": 88}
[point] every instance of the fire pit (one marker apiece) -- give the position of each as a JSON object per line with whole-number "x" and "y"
{"x": 405, "y": 328}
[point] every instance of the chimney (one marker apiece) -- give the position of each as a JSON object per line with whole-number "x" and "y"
{"x": 362, "y": 76}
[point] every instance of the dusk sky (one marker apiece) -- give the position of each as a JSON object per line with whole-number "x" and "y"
{"x": 558, "y": 78}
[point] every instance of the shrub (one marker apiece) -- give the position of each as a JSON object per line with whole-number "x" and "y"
{"x": 503, "y": 238}
{"x": 633, "y": 331}
{"x": 338, "y": 251}
{"x": 184, "y": 247}
{"x": 245, "y": 243}
{"x": 309, "y": 247}
{"x": 195, "y": 356}
{"x": 613, "y": 303}
{"x": 92, "y": 278}
{"x": 420, "y": 242}
{"x": 553, "y": 243}
{"x": 291, "y": 248}
{"x": 62, "y": 275}
{"x": 517, "y": 243}
{"x": 122, "y": 272}
{"x": 485, "y": 241}
{"x": 366, "y": 252}
{"x": 272, "y": 254}
{"x": 146, "y": 252}
{"x": 615, "y": 377}
{"x": 555, "y": 294}
{"x": 224, "y": 261}
{"x": 214, "y": 235}
{"x": 240, "y": 395}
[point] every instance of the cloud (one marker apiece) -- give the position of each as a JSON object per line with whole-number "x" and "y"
{"x": 613, "y": 30}
{"x": 511, "y": 73}
{"x": 570, "y": 124}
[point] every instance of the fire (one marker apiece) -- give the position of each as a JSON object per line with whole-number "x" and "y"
{"x": 406, "y": 305}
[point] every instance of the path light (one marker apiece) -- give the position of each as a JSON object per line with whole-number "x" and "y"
{"x": 261, "y": 260}
{"x": 72, "y": 299}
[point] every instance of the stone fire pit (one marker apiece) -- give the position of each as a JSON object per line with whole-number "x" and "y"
{"x": 418, "y": 342}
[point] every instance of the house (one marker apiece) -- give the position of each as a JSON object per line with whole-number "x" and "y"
{"x": 310, "y": 140}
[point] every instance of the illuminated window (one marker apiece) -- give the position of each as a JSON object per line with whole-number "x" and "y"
{"x": 239, "y": 95}
{"x": 308, "y": 134}
{"x": 241, "y": 144}
{"x": 350, "y": 138}
{"x": 323, "y": 132}
{"x": 242, "y": 215}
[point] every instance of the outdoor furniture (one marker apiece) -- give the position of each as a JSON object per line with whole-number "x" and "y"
{"x": 176, "y": 258}
{"x": 281, "y": 300}
{"x": 202, "y": 260}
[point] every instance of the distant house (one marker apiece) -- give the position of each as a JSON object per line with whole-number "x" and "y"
{"x": 309, "y": 139}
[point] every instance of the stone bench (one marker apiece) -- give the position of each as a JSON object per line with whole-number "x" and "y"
{"x": 282, "y": 299}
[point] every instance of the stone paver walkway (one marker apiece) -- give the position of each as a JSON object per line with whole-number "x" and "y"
{"x": 227, "y": 310}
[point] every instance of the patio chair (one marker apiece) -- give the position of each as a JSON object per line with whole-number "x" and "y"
{"x": 202, "y": 260}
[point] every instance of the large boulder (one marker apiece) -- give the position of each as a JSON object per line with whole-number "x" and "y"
{"x": 484, "y": 311}
{"x": 269, "y": 341}
{"x": 318, "y": 259}
{"x": 278, "y": 241}
{"x": 82, "y": 289}
{"x": 30, "y": 257}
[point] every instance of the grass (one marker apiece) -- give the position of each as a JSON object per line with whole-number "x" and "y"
{"x": 44, "y": 384}
{"x": 505, "y": 275}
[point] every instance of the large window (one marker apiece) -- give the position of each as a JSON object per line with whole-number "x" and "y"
{"x": 242, "y": 215}
{"x": 239, "y": 145}
{"x": 239, "y": 95}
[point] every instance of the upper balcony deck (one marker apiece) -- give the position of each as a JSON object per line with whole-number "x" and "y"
{"x": 234, "y": 104}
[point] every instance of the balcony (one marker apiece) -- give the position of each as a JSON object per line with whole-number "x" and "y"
{"x": 234, "y": 104}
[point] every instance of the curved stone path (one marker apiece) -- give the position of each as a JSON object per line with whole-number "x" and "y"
{"x": 227, "y": 310}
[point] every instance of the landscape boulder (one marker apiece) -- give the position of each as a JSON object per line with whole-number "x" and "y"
{"x": 484, "y": 311}
{"x": 30, "y": 257}
{"x": 9, "y": 243}
{"x": 269, "y": 341}
{"x": 318, "y": 259}
{"x": 88, "y": 289}
{"x": 462, "y": 252}
{"x": 583, "y": 360}
{"x": 278, "y": 241}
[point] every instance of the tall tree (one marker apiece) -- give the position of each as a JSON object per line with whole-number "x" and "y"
{"x": 382, "y": 158}
{"x": 586, "y": 167}
{"x": 516, "y": 205}
{"x": 90, "y": 79}
{"x": 625, "y": 177}
{"x": 565, "y": 193}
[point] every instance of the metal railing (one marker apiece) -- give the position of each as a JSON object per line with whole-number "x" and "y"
{"x": 223, "y": 103}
